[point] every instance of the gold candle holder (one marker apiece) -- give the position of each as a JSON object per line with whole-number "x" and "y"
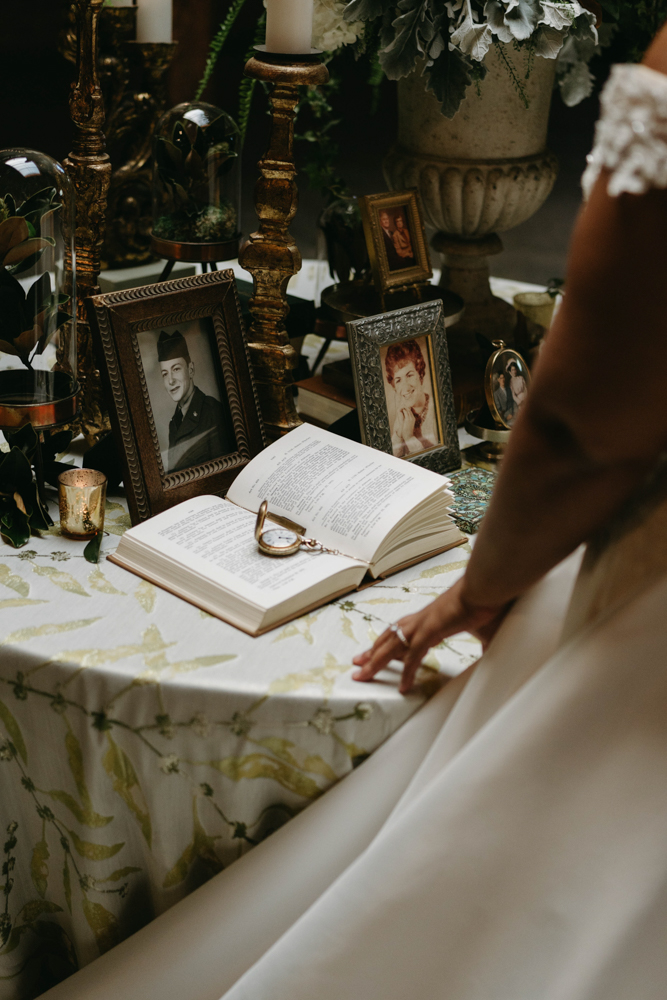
{"x": 89, "y": 169}
{"x": 271, "y": 254}
{"x": 81, "y": 497}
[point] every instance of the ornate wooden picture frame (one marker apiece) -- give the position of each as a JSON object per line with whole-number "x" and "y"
{"x": 179, "y": 387}
{"x": 395, "y": 239}
{"x": 403, "y": 385}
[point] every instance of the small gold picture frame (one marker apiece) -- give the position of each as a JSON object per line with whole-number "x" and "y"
{"x": 506, "y": 383}
{"x": 395, "y": 239}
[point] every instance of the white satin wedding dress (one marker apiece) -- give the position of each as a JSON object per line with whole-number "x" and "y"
{"x": 510, "y": 841}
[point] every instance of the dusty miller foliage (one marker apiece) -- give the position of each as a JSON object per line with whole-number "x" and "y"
{"x": 449, "y": 40}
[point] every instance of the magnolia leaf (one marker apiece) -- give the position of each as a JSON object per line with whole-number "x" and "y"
{"x": 7, "y": 348}
{"x": 126, "y": 784}
{"x": 39, "y": 869}
{"x": 103, "y": 924}
{"x": 13, "y": 232}
{"x": 13, "y": 731}
{"x": 63, "y": 580}
{"x": 13, "y": 581}
{"x": 20, "y": 253}
{"x": 95, "y": 852}
{"x": 91, "y": 554}
{"x": 14, "y": 525}
{"x": 35, "y": 908}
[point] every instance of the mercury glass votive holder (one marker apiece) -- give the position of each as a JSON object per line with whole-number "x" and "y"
{"x": 81, "y": 497}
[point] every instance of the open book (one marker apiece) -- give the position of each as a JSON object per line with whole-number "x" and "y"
{"x": 383, "y": 513}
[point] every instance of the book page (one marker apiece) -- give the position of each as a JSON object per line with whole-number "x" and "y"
{"x": 216, "y": 539}
{"x": 348, "y": 496}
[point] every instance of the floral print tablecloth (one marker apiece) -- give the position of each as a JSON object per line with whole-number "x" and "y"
{"x": 144, "y": 745}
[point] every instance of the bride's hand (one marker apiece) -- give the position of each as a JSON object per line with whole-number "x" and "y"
{"x": 448, "y": 614}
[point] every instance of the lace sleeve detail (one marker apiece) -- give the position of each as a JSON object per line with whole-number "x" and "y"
{"x": 631, "y": 135}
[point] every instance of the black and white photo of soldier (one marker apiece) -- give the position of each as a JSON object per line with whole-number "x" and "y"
{"x": 199, "y": 429}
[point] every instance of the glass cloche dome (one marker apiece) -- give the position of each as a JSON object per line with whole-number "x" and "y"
{"x": 38, "y": 338}
{"x": 196, "y": 184}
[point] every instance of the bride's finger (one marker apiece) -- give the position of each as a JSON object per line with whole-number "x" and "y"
{"x": 388, "y": 647}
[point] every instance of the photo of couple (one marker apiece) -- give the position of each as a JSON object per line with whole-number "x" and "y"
{"x": 397, "y": 238}
{"x": 510, "y": 380}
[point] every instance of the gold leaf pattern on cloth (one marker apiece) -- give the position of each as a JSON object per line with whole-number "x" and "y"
{"x": 324, "y": 676}
{"x": 146, "y": 593}
{"x": 39, "y": 870}
{"x": 383, "y": 600}
{"x": 13, "y": 731}
{"x": 19, "y": 602}
{"x": 103, "y": 716}
{"x": 302, "y": 627}
{"x": 103, "y": 924}
{"x": 347, "y": 626}
{"x": 428, "y": 574}
{"x": 13, "y": 581}
{"x": 310, "y": 762}
{"x": 94, "y": 852}
{"x": 126, "y": 784}
{"x": 202, "y": 847}
{"x": 36, "y": 631}
{"x": 98, "y": 581}
{"x": 259, "y": 765}
{"x": 118, "y": 525}
{"x": 84, "y": 813}
{"x": 61, "y": 579}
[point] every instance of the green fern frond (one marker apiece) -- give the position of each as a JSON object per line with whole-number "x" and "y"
{"x": 216, "y": 45}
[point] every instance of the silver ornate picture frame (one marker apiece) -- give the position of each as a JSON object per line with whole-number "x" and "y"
{"x": 179, "y": 387}
{"x": 403, "y": 385}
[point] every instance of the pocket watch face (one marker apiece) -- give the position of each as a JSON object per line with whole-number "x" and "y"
{"x": 279, "y": 541}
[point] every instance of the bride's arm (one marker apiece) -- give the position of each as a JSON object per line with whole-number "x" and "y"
{"x": 593, "y": 424}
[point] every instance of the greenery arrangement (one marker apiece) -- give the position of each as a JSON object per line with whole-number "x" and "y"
{"x": 27, "y": 322}
{"x": 191, "y": 162}
{"x": 22, "y": 513}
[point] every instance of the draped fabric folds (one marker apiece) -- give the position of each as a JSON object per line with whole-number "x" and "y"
{"x": 509, "y": 842}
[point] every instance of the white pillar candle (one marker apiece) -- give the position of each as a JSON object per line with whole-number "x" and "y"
{"x": 154, "y": 21}
{"x": 289, "y": 26}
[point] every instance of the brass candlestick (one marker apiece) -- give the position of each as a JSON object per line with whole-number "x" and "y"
{"x": 129, "y": 131}
{"x": 89, "y": 169}
{"x": 271, "y": 254}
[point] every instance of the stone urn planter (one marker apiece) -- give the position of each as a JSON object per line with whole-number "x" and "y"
{"x": 478, "y": 174}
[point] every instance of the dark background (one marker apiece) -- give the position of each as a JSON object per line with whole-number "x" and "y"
{"x": 34, "y": 87}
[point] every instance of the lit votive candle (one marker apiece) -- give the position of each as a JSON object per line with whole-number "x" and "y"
{"x": 81, "y": 497}
{"x": 289, "y": 26}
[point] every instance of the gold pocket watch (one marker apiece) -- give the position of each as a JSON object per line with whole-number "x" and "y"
{"x": 284, "y": 538}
